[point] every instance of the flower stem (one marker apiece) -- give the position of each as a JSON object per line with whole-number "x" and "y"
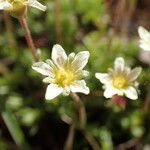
{"x": 10, "y": 35}
{"x": 81, "y": 109}
{"x": 28, "y": 37}
{"x": 70, "y": 137}
{"x": 14, "y": 130}
{"x": 82, "y": 115}
{"x": 93, "y": 143}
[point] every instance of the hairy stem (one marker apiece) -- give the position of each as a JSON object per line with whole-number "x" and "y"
{"x": 28, "y": 37}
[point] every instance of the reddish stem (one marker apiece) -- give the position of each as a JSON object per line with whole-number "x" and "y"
{"x": 28, "y": 37}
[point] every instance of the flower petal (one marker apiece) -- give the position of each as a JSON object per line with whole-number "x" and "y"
{"x": 134, "y": 73}
{"x": 50, "y": 62}
{"x": 103, "y": 77}
{"x": 109, "y": 92}
{"x": 131, "y": 93}
{"x": 127, "y": 71}
{"x": 71, "y": 57}
{"x": 52, "y": 91}
{"x": 58, "y": 55}
{"x": 119, "y": 64}
{"x": 42, "y": 68}
{"x": 143, "y": 33}
{"x": 80, "y": 86}
{"x": 48, "y": 80}
{"x": 4, "y": 5}
{"x": 36, "y": 4}
{"x": 80, "y": 60}
{"x": 145, "y": 45}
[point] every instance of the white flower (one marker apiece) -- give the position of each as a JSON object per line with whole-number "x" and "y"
{"x": 145, "y": 38}
{"x": 11, "y": 4}
{"x": 64, "y": 74}
{"x": 120, "y": 80}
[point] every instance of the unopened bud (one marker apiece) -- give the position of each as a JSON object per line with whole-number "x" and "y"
{"x": 120, "y": 101}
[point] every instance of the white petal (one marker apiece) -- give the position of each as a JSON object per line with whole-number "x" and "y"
{"x": 80, "y": 86}
{"x": 145, "y": 45}
{"x": 134, "y": 73}
{"x": 50, "y": 62}
{"x": 127, "y": 71}
{"x": 71, "y": 56}
{"x": 131, "y": 93}
{"x": 4, "y": 5}
{"x": 109, "y": 92}
{"x": 42, "y": 68}
{"x": 143, "y": 33}
{"x": 119, "y": 64}
{"x": 49, "y": 79}
{"x": 103, "y": 77}
{"x": 80, "y": 60}
{"x": 36, "y": 4}
{"x": 58, "y": 55}
{"x": 70, "y": 59}
{"x": 52, "y": 91}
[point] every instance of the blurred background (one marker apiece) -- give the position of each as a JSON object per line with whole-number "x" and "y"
{"x": 107, "y": 29}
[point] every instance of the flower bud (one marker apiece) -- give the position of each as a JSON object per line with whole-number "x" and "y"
{"x": 119, "y": 101}
{"x": 18, "y": 8}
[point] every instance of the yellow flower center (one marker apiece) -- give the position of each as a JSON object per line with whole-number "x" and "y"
{"x": 64, "y": 77}
{"x": 119, "y": 82}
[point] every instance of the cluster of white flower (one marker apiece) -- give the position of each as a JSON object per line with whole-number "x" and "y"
{"x": 64, "y": 74}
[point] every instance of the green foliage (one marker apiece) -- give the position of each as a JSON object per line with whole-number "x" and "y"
{"x": 83, "y": 27}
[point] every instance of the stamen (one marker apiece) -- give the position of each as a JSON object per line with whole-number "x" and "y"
{"x": 64, "y": 77}
{"x": 119, "y": 82}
